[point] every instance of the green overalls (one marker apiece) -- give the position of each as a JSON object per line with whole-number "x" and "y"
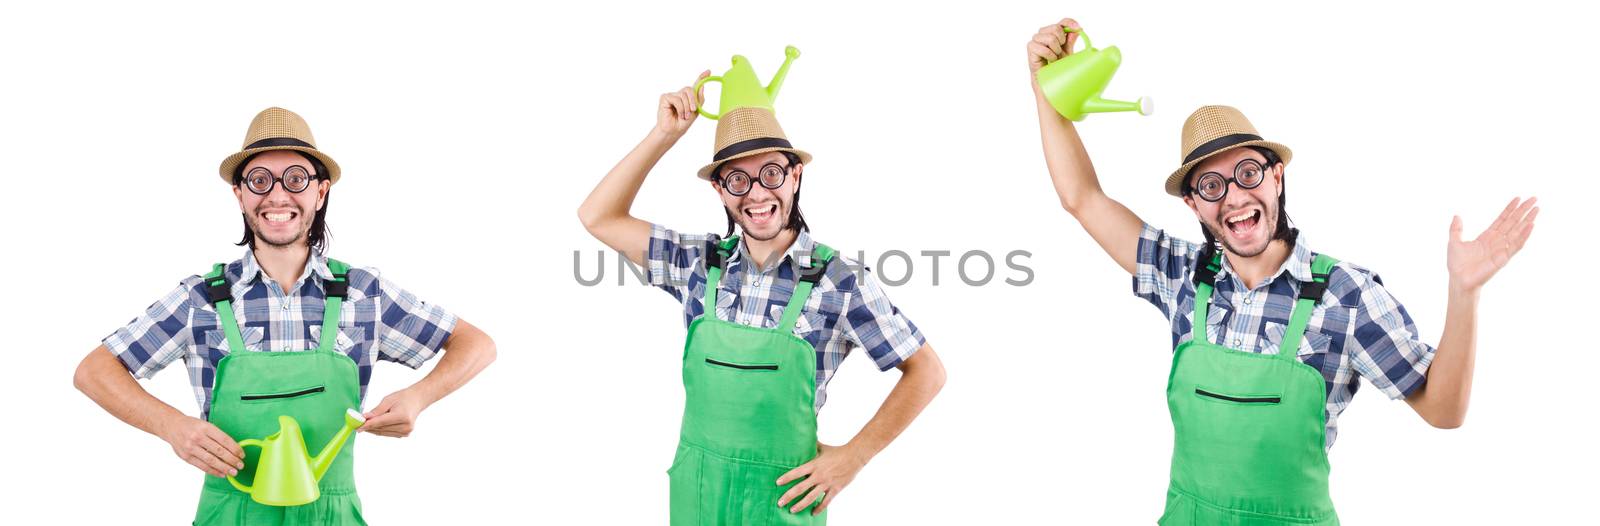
{"x": 1248, "y": 428}
{"x": 749, "y": 413}
{"x": 253, "y": 388}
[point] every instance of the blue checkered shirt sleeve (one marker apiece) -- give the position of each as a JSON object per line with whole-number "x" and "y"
{"x": 673, "y": 257}
{"x": 873, "y": 323}
{"x": 158, "y": 336}
{"x": 1384, "y": 347}
{"x": 1162, "y": 266}
{"x": 410, "y": 331}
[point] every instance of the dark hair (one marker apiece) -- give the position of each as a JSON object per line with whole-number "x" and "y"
{"x": 318, "y": 237}
{"x": 797, "y": 220}
{"x": 1283, "y": 232}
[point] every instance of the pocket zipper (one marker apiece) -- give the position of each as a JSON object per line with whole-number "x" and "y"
{"x": 292, "y": 394}
{"x": 749, "y": 367}
{"x": 1240, "y": 399}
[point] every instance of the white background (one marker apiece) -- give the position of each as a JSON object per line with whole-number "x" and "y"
{"x": 470, "y": 133}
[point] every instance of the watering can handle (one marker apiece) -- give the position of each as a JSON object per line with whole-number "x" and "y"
{"x": 1087, "y": 44}
{"x": 244, "y": 443}
{"x": 702, "y": 82}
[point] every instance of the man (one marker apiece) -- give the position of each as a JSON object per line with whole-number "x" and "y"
{"x": 771, "y": 315}
{"x": 244, "y": 331}
{"x": 1252, "y": 428}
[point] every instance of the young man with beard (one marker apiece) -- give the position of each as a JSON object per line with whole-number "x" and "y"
{"x": 284, "y": 330}
{"x": 771, "y": 315}
{"x": 1270, "y": 336}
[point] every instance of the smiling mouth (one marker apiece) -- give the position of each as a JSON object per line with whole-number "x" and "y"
{"x": 1244, "y": 222}
{"x": 278, "y": 217}
{"x": 761, "y": 214}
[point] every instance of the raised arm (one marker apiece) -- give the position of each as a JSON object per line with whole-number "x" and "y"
{"x": 1442, "y": 400}
{"x": 1111, "y": 225}
{"x": 605, "y": 213}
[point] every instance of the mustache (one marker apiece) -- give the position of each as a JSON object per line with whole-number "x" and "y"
{"x": 282, "y": 204}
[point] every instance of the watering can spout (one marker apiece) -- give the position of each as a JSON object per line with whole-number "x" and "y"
{"x": 789, "y": 54}
{"x": 320, "y": 464}
{"x": 1145, "y": 105}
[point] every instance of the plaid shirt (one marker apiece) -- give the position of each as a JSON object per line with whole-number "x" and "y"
{"x": 844, "y": 311}
{"x": 379, "y": 321}
{"x": 1358, "y": 329}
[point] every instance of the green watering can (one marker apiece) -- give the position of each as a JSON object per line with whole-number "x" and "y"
{"x": 1073, "y": 84}
{"x": 741, "y": 88}
{"x": 285, "y": 474}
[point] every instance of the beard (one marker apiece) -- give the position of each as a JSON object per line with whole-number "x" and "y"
{"x": 301, "y": 230}
{"x": 770, "y": 229}
{"x": 1267, "y": 225}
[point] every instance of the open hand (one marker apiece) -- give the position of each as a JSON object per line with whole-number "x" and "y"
{"x": 203, "y": 445}
{"x": 825, "y": 476}
{"x": 396, "y": 415}
{"x": 1472, "y": 263}
{"x": 676, "y": 111}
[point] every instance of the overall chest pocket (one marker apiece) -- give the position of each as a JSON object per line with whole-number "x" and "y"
{"x": 822, "y": 312}
{"x": 216, "y": 345}
{"x": 1324, "y": 333}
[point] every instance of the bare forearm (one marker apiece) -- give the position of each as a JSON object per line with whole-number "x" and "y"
{"x": 102, "y": 378}
{"x": 1112, "y": 225}
{"x": 605, "y": 213}
{"x": 614, "y": 195}
{"x": 922, "y": 376}
{"x": 1443, "y": 400}
{"x": 468, "y": 351}
{"x": 1071, "y": 171}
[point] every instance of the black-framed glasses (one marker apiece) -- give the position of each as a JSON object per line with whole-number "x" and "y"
{"x": 771, "y": 176}
{"x": 295, "y": 179}
{"x": 1212, "y": 186}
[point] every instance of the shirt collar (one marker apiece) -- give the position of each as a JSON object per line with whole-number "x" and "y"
{"x": 1297, "y": 265}
{"x": 799, "y": 251}
{"x": 316, "y": 265}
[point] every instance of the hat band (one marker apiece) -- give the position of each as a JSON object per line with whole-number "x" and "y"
{"x": 279, "y": 141}
{"x": 748, "y": 145}
{"x": 1219, "y": 143}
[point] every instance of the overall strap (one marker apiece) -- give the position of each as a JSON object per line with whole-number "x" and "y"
{"x": 334, "y": 291}
{"x": 1205, "y": 273}
{"x": 1310, "y": 293}
{"x": 716, "y": 255}
{"x": 821, "y": 255}
{"x": 220, "y": 293}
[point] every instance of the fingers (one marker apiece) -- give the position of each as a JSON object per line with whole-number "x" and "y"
{"x": 795, "y": 492}
{"x": 1455, "y": 229}
{"x": 213, "y": 465}
{"x": 688, "y": 96}
{"x": 1068, "y": 40}
{"x": 1523, "y": 229}
{"x": 812, "y": 496}
{"x": 802, "y": 470}
{"x": 1039, "y": 55}
{"x": 225, "y": 448}
{"x": 381, "y": 421}
{"x": 1499, "y": 222}
{"x": 1052, "y": 37}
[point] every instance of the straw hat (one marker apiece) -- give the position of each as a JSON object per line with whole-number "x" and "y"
{"x": 277, "y": 129}
{"x": 747, "y": 131}
{"x": 1211, "y": 130}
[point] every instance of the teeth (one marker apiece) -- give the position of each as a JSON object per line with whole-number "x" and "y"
{"x": 280, "y": 216}
{"x": 1241, "y": 216}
